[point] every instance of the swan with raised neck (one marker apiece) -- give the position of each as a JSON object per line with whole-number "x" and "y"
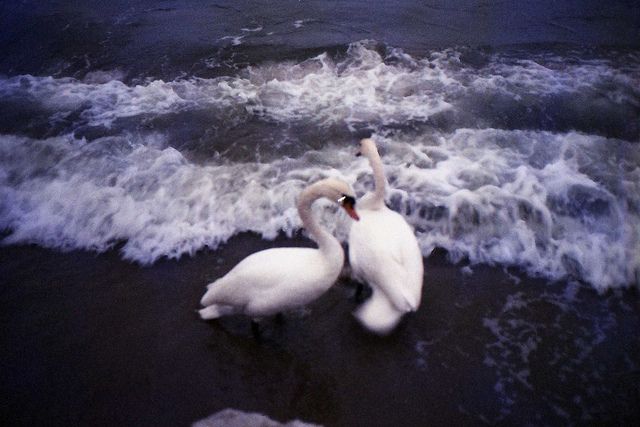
{"x": 375, "y": 200}
{"x": 384, "y": 252}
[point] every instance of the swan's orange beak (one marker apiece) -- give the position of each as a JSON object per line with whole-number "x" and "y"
{"x": 348, "y": 204}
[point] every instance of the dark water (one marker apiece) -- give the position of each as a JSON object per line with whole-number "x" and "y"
{"x": 94, "y": 340}
{"x": 510, "y": 133}
{"x": 166, "y": 38}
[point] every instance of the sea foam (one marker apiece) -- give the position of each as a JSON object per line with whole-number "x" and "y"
{"x": 461, "y": 191}
{"x": 557, "y": 196}
{"x": 371, "y": 85}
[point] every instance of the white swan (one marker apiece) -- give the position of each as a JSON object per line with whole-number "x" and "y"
{"x": 384, "y": 253}
{"x": 279, "y": 279}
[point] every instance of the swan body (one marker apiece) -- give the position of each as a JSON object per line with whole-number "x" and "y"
{"x": 279, "y": 279}
{"x": 384, "y": 252}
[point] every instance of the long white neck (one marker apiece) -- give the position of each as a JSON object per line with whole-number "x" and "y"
{"x": 325, "y": 240}
{"x": 377, "y": 201}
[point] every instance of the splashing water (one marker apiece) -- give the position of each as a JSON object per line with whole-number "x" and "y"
{"x": 527, "y": 160}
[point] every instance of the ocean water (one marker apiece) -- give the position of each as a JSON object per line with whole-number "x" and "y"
{"x": 510, "y": 133}
{"x": 520, "y": 154}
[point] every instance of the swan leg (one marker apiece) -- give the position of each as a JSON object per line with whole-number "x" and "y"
{"x": 279, "y": 318}
{"x": 362, "y": 292}
{"x": 255, "y": 329}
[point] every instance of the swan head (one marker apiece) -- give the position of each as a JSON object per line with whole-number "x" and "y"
{"x": 338, "y": 191}
{"x": 348, "y": 203}
{"x": 367, "y": 147}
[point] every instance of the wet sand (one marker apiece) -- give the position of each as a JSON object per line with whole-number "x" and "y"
{"x": 90, "y": 339}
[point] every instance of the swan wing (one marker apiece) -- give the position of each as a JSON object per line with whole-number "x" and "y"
{"x": 392, "y": 281}
{"x": 273, "y": 280}
{"x": 410, "y": 258}
{"x": 383, "y": 251}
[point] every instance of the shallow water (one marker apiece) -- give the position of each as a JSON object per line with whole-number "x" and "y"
{"x": 107, "y": 342}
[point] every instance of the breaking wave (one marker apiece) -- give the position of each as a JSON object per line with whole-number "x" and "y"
{"x": 528, "y": 161}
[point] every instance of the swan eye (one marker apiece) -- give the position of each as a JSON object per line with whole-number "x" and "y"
{"x": 345, "y": 200}
{"x": 348, "y": 203}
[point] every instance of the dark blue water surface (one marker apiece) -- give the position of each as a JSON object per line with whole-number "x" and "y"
{"x": 163, "y": 39}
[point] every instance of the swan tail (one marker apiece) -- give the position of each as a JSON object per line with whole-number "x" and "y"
{"x": 214, "y": 289}
{"x": 207, "y": 298}
{"x": 378, "y": 314}
{"x": 215, "y": 311}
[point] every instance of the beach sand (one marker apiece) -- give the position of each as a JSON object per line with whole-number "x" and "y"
{"x": 91, "y": 339}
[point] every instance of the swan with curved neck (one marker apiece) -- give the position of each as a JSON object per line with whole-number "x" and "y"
{"x": 279, "y": 279}
{"x": 384, "y": 252}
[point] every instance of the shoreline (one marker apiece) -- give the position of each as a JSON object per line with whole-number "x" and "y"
{"x": 91, "y": 339}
